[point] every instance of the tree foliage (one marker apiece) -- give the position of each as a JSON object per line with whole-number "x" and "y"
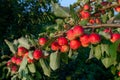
{"x": 79, "y": 43}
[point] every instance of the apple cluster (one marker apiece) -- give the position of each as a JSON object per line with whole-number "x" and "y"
{"x": 86, "y": 15}
{"x": 87, "y": 12}
{"x": 113, "y": 36}
{"x": 73, "y": 39}
{"x": 15, "y": 61}
{"x": 76, "y": 38}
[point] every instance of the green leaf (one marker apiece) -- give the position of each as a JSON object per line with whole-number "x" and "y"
{"x": 110, "y": 13}
{"x": 91, "y": 55}
{"x": 30, "y": 54}
{"x": 83, "y": 22}
{"x": 55, "y": 60}
{"x": 113, "y": 70}
{"x": 70, "y": 53}
{"x": 104, "y": 18}
{"x": 110, "y": 0}
{"x": 59, "y": 21}
{"x": 74, "y": 56}
{"x": 98, "y": 52}
{"x": 113, "y": 50}
{"x": 24, "y": 42}
{"x": 24, "y": 78}
{"x": 105, "y": 48}
{"x": 107, "y": 62}
{"x": 59, "y": 11}
{"x": 23, "y": 74}
{"x": 48, "y": 43}
{"x": 68, "y": 78}
{"x": 104, "y": 34}
{"x": 38, "y": 75}
{"x": 15, "y": 42}
{"x": 14, "y": 77}
{"x": 12, "y": 47}
{"x": 59, "y": 24}
{"x": 64, "y": 57}
{"x": 32, "y": 68}
{"x": 23, "y": 64}
{"x": 45, "y": 67}
{"x": 73, "y": 14}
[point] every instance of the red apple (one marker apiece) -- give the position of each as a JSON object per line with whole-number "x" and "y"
{"x": 97, "y": 20}
{"x": 115, "y": 37}
{"x": 118, "y": 1}
{"x": 85, "y": 40}
{"x": 78, "y": 31}
{"x": 75, "y": 44}
{"x": 42, "y": 41}
{"x": 118, "y": 73}
{"x": 85, "y": 14}
{"x": 104, "y": 3}
{"x": 37, "y": 54}
{"x": 30, "y": 60}
{"x": 117, "y": 9}
{"x": 55, "y": 46}
{"x": 62, "y": 41}
{"x": 14, "y": 69}
{"x": 26, "y": 54}
{"x": 9, "y": 63}
{"x": 86, "y": 7}
{"x": 107, "y": 30}
{"x": 21, "y": 51}
{"x": 94, "y": 38}
{"x": 70, "y": 34}
{"x": 92, "y": 21}
{"x": 13, "y": 59}
{"x": 18, "y": 61}
{"x": 64, "y": 48}
{"x": 103, "y": 11}
{"x": 97, "y": 14}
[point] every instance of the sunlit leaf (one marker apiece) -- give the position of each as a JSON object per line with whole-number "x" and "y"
{"x": 32, "y": 68}
{"x": 58, "y": 11}
{"x": 91, "y": 54}
{"x": 104, "y": 34}
{"x": 45, "y": 67}
{"x": 70, "y": 53}
{"x": 98, "y": 52}
{"x": 83, "y": 22}
{"x": 55, "y": 60}
{"x": 104, "y": 18}
{"x": 23, "y": 64}
{"x": 105, "y": 49}
{"x": 107, "y": 62}
{"x": 12, "y": 47}
{"x": 30, "y": 54}
{"x": 24, "y": 42}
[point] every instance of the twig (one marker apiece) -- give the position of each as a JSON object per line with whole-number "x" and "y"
{"x": 107, "y": 7}
{"x": 103, "y": 26}
{"x": 93, "y": 27}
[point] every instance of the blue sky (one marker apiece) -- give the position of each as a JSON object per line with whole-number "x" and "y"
{"x": 67, "y": 2}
